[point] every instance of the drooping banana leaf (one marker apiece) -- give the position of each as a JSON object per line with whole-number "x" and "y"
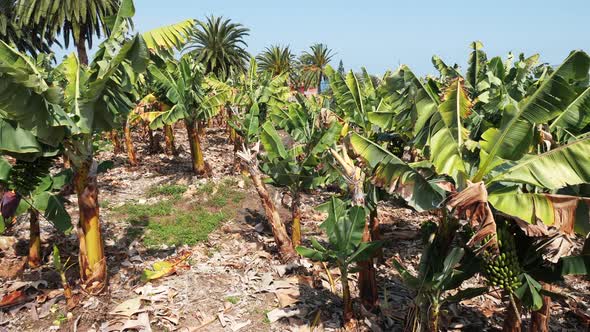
{"x": 394, "y": 175}
{"x": 273, "y": 145}
{"x": 566, "y": 213}
{"x": 14, "y": 139}
{"x": 555, "y": 169}
{"x": 53, "y": 210}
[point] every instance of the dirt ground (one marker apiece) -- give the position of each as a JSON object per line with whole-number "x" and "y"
{"x": 232, "y": 281}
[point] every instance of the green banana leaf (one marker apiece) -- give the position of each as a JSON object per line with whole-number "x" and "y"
{"x": 394, "y": 175}
{"x": 560, "y": 167}
{"x": 512, "y": 140}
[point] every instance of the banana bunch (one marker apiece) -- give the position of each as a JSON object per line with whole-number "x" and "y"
{"x": 503, "y": 269}
{"x": 25, "y": 176}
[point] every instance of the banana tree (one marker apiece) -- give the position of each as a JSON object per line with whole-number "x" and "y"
{"x": 250, "y": 134}
{"x": 248, "y": 91}
{"x": 194, "y": 102}
{"x": 355, "y": 100}
{"x": 29, "y": 187}
{"x": 297, "y": 167}
{"x": 503, "y": 171}
{"x": 80, "y": 102}
{"x": 33, "y": 191}
{"x": 344, "y": 226}
{"x": 146, "y": 110}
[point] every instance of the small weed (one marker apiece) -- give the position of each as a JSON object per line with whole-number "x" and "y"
{"x": 105, "y": 203}
{"x": 173, "y": 190}
{"x": 206, "y": 188}
{"x": 265, "y": 319}
{"x": 232, "y": 299}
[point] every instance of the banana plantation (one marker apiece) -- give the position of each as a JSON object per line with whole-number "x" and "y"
{"x": 168, "y": 180}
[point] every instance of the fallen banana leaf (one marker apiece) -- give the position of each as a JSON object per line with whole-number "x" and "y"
{"x": 159, "y": 270}
{"x": 12, "y": 299}
{"x": 164, "y": 268}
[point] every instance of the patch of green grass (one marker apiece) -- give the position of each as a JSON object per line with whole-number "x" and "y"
{"x": 226, "y": 193}
{"x": 206, "y": 188}
{"x": 174, "y": 190}
{"x": 182, "y": 228}
{"x": 176, "y": 221}
{"x": 232, "y": 299}
{"x": 141, "y": 211}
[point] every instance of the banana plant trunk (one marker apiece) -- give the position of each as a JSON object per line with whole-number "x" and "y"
{"x": 279, "y": 231}
{"x": 169, "y": 137}
{"x": 197, "y": 158}
{"x": 346, "y": 298}
{"x": 201, "y": 127}
{"x": 375, "y": 232}
{"x": 540, "y": 318}
{"x": 34, "y": 239}
{"x": 117, "y": 148}
{"x": 66, "y": 161}
{"x": 93, "y": 267}
{"x": 129, "y": 145}
{"x": 296, "y": 214}
{"x": 512, "y": 321}
{"x": 153, "y": 143}
{"x": 367, "y": 279}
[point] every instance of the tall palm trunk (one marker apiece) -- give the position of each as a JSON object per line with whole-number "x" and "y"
{"x": 93, "y": 267}
{"x": 296, "y": 214}
{"x": 34, "y": 239}
{"x": 320, "y": 82}
{"x": 129, "y": 145}
{"x": 197, "y": 158}
{"x": 169, "y": 137}
{"x": 81, "y": 48}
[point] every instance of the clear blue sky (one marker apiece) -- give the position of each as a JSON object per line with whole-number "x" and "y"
{"x": 381, "y": 34}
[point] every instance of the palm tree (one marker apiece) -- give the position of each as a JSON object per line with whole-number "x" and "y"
{"x": 314, "y": 63}
{"x": 26, "y": 38}
{"x": 276, "y": 59}
{"x": 78, "y": 20}
{"x": 219, "y": 45}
